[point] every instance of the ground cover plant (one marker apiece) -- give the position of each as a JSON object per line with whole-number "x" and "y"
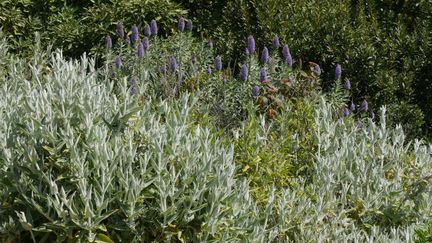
{"x": 165, "y": 142}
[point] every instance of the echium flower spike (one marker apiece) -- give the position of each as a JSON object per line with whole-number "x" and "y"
{"x": 265, "y": 55}
{"x": 147, "y": 30}
{"x": 120, "y": 30}
{"x": 181, "y": 24}
{"x": 244, "y": 72}
{"x": 145, "y": 43}
{"x": 276, "y": 43}
{"x": 117, "y": 62}
{"x": 153, "y": 27}
{"x": 140, "y": 50}
{"x": 317, "y": 70}
{"x": 163, "y": 69}
{"x": 364, "y": 106}
{"x": 347, "y": 84}
{"x": 338, "y": 71}
{"x": 255, "y": 91}
{"x": 133, "y": 86}
{"x": 135, "y": 35}
{"x": 108, "y": 42}
{"x": 218, "y": 63}
{"x": 345, "y": 112}
{"x": 352, "y": 106}
{"x": 251, "y": 45}
{"x": 209, "y": 70}
{"x": 189, "y": 25}
{"x": 127, "y": 40}
{"x": 288, "y": 59}
{"x": 210, "y": 44}
{"x": 263, "y": 75}
{"x": 173, "y": 63}
{"x": 285, "y": 51}
{"x": 247, "y": 51}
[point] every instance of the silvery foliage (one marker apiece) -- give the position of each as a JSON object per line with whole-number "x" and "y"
{"x": 80, "y": 156}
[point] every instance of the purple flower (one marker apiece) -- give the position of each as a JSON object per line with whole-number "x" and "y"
{"x": 153, "y": 27}
{"x": 364, "y": 106}
{"x": 347, "y": 84}
{"x": 345, "y": 112}
{"x": 276, "y": 43}
{"x": 247, "y": 51}
{"x": 218, "y": 63}
{"x": 209, "y": 70}
{"x": 147, "y": 30}
{"x": 255, "y": 91}
{"x": 173, "y": 63}
{"x": 352, "y": 106}
{"x": 210, "y": 44}
{"x": 263, "y": 75}
{"x": 189, "y": 25}
{"x": 163, "y": 69}
{"x": 117, "y": 62}
{"x": 145, "y": 43}
{"x": 133, "y": 86}
{"x": 338, "y": 71}
{"x": 120, "y": 30}
{"x": 181, "y": 24}
{"x": 108, "y": 42}
{"x": 251, "y": 44}
{"x": 265, "y": 55}
{"x": 317, "y": 70}
{"x": 127, "y": 40}
{"x": 288, "y": 59}
{"x": 140, "y": 50}
{"x": 285, "y": 51}
{"x": 135, "y": 35}
{"x": 359, "y": 125}
{"x": 244, "y": 72}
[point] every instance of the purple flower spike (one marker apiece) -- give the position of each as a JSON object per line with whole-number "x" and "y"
{"x": 163, "y": 69}
{"x": 210, "y": 44}
{"x": 218, "y": 63}
{"x": 209, "y": 70}
{"x": 244, "y": 72}
{"x": 255, "y": 91}
{"x": 145, "y": 43}
{"x": 147, "y": 30}
{"x": 285, "y": 51}
{"x": 120, "y": 30}
{"x": 181, "y": 24}
{"x": 117, "y": 62}
{"x": 345, "y": 112}
{"x": 364, "y": 106}
{"x": 276, "y": 43}
{"x": 347, "y": 84}
{"x": 173, "y": 63}
{"x": 251, "y": 44}
{"x": 338, "y": 71}
{"x": 317, "y": 70}
{"x": 135, "y": 35}
{"x": 140, "y": 51}
{"x": 127, "y": 40}
{"x": 265, "y": 55}
{"x": 247, "y": 51}
{"x": 133, "y": 86}
{"x": 189, "y": 25}
{"x": 352, "y": 106}
{"x": 153, "y": 27}
{"x": 288, "y": 59}
{"x": 263, "y": 75}
{"x": 108, "y": 42}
